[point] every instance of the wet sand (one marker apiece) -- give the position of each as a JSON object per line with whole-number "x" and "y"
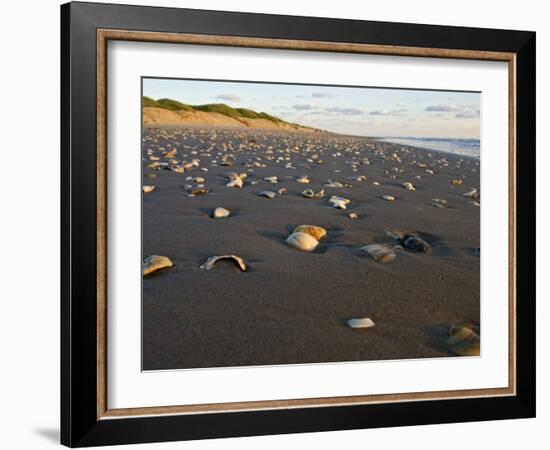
{"x": 291, "y": 306}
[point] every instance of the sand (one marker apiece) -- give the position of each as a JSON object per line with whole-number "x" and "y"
{"x": 291, "y": 306}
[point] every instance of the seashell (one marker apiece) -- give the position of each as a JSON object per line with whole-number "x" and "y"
{"x": 379, "y": 252}
{"x": 282, "y": 191}
{"x": 302, "y": 241}
{"x": 303, "y": 179}
{"x": 232, "y": 175}
{"x": 363, "y": 322}
{"x": 463, "y": 341}
{"x": 431, "y": 172}
{"x": 376, "y": 183}
{"x": 155, "y": 263}
{"x": 220, "y": 213}
{"x": 474, "y": 203}
{"x": 416, "y": 244}
{"x": 148, "y": 189}
{"x": 309, "y": 193}
{"x": 316, "y": 232}
{"x": 408, "y": 186}
{"x": 472, "y": 193}
{"x": 199, "y": 191}
{"x": 151, "y": 175}
{"x": 178, "y": 169}
{"x": 333, "y": 184}
{"x": 199, "y": 180}
{"x": 236, "y": 183}
{"x": 272, "y": 179}
{"x": 456, "y": 181}
{"x": 389, "y": 198}
{"x": 268, "y": 194}
{"x": 438, "y": 205}
{"x": 353, "y": 215}
{"x": 339, "y": 202}
{"x": 209, "y": 263}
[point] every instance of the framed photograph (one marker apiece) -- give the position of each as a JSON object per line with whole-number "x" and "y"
{"x": 276, "y": 224}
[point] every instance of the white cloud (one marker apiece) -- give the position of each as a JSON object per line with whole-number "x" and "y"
{"x": 305, "y": 107}
{"x": 229, "y": 97}
{"x": 345, "y": 111}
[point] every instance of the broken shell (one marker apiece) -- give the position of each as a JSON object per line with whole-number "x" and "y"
{"x": 363, "y": 322}
{"x": 316, "y": 232}
{"x": 389, "y": 198}
{"x": 353, "y": 215}
{"x": 303, "y": 179}
{"x": 379, "y": 252}
{"x": 456, "y": 181}
{"x": 333, "y": 184}
{"x": 416, "y": 244}
{"x": 154, "y": 263}
{"x": 199, "y": 180}
{"x": 235, "y": 182}
{"x": 472, "y": 193}
{"x": 309, "y": 193}
{"x": 463, "y": 341}
{"x": 268, "y": 194}
{"x": 199, "y": 191}
{"x": 148, "y": 189}
{"x": 209, "y": 263}
{"x": 220, "y": 213}
{"x": 282, "y": 191}
{"x": 408, "y": 186}
{"x": 302, "y": 241}
{"x": 272, "y": 180}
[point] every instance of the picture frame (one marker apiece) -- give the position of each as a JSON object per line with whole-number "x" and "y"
{"x": 86, "y": 418}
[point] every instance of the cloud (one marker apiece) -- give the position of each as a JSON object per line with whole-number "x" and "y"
{"x": 345, "y": 111}
{"x": 229, "y": 97}
{"x": 468, "y": 114}
{"x": 305, "y": 107}
{"x": 385, "y": 112}
{"x": 322, "y": 95}
{"x": 443, "y": 108}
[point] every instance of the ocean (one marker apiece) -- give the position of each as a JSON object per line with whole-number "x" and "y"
{"x": 465, "y": 147}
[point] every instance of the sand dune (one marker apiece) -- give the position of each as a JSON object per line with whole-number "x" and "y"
{"x": 161, "y": 116}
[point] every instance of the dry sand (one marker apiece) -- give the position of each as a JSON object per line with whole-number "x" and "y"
{"x": 292, "y": 306}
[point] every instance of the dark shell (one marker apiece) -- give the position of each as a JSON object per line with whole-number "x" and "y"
{"x": 415, "y": 244}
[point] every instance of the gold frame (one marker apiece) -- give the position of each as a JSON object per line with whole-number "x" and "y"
{"x": 103, "y": 36}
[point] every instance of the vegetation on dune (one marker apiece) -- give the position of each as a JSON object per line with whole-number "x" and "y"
{"x": 220, "y": 108}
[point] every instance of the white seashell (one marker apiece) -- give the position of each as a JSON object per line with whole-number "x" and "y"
{"x": 408, "y": 186}
{"x": 199, "y": 180}
{"x": 148, "y": 189}
{"x": 309, "y": 193}
{"x": 376, "y": 183}
{"x": 268, "y": 194}
{"x": 155, "y": 263}
{"x": 236, "y": 183}
{"x": 389, "y": 198}
{"x": 339, "y": 202}
{"x": 431, "y": 172}
{"x": 363, "y": 322}
{"x": 303, "y": 179}
{"x": 302, "y": 241}
{"x": 379, "y": 252}
{"x": 220, "y": 213}
{"x": 272, "y": 180}
{"x": 232, "y": 175}
{"x": 209, "y": 263}
{"x": 282, "y": 191}
{"x": 353, "y": 215}
{"x": 333, "y": 184}
{"x": 472, "y": 193}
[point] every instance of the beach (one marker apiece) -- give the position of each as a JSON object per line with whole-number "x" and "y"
{"x": 291, "y": 306}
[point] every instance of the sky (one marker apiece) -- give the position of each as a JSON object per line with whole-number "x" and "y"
{"x": 362, "y": 111}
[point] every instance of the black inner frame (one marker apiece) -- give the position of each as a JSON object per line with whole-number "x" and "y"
{"x": 79, "y": 423}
